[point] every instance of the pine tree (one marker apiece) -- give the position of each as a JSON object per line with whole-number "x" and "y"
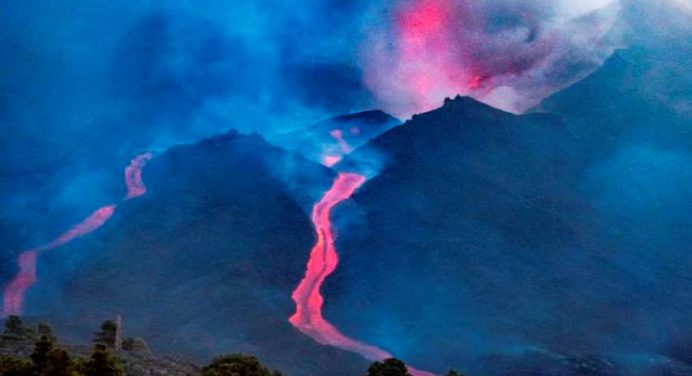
{"x": 102, "y": 363}
{"x": 107, "y": 334}
{"x": 45, "y": 330}
{"x": 388, "y": 367}
{"x": 15, "y": 329}
{"x": 41, "y": 353}
{"x": 59, "y": 364}
{"x": 13, "y": 325}
{"x": 13, "y": 366}
{"x": 237, "y": 364}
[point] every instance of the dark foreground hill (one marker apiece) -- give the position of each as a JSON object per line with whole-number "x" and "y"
{"x": 205, "y": 262}
{"x": 490, "y": 239}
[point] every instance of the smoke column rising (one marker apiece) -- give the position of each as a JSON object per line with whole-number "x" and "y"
{"x": 13, "y": 298}
{"x": 507, "y": 54}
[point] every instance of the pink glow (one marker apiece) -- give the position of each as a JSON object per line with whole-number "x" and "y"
{"x": 429, "y": 58}
{"x": 133, "y": 176}
{"x": 335, "y": 153}
{"x": 13, "y": 297}
{"x": 322, "y": 262}
{"x": 330, "y": 160}
{"x": 88, "y": 225}
{"x": 338, "y": 135}
{"x": 434, "y": 49}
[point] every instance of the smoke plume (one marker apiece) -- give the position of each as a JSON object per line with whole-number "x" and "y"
{"x": 509, "y": 54}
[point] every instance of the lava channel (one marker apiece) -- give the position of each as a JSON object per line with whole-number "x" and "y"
{"x": 13, "y": 295}
{"x": 322, "y": 262}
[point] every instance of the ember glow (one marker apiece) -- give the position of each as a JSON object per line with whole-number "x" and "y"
{"x": 13, "y": 296}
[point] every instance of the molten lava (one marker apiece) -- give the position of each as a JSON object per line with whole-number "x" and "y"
{"x": 13, "y": 297}
{"x": 133, "y": 176}
{"x": 323, "y": 261}
{"x": 334, "y": 154}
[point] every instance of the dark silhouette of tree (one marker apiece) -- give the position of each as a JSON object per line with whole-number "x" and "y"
{"x": 136, "y": 344}
{"x": 45, "y": 330}
{"x": 41, "y": 353}
{"x": 107, "y": 334}
{"x": 388, "y": 367}
{"x": 15, "y": 329}
{"x": 12, "y": 366}
{"x": 454, "y": 373}
{"x": 237, "y": 365}
{"x": 59, "y": 364}
{"x": 13, "y": 325}
{"x": 102, "y": 363}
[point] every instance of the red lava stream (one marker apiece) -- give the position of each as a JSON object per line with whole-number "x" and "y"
{"x": 322, "y": 262}
{"x": 13, "y": 297}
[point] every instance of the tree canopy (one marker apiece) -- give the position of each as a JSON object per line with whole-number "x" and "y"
{"x": 237, "y": 365}
{"x": 388, "y": 367}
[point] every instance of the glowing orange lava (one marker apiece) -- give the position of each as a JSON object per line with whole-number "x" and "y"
{"x": 133, "y": 176}
{"x": 13, "y": 297}
{"x": 323, "y": 261}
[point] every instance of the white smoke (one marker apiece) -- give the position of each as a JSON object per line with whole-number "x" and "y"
{"x": 509, "y": 54}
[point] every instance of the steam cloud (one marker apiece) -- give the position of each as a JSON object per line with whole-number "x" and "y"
{"x": 509, "y": 54}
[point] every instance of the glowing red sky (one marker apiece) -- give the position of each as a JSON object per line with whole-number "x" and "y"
{"x": 507, "y": 54}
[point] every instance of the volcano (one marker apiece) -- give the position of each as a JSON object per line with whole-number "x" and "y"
{"x": 204, "y": 262}
{"x": 524, "y": 240}
{"x": 551, "y": 243}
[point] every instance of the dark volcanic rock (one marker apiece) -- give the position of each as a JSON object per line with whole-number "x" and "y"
{"x": 205, "y": 262}
{"x": 486, "y": 232}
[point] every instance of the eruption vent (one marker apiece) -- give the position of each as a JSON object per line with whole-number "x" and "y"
{"x": 13, "y": 297}
{"x": 509, "y": 54}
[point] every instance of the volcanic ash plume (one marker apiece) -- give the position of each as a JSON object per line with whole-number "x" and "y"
{"x": 509, "y": 54}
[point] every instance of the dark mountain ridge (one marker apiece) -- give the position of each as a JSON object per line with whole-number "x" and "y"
{"x": 543, "y": 244}
{"x": 524, "y": 238}
{"x": 205, "y": 262}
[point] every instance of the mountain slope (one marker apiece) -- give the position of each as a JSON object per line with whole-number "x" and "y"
{"x": 492, "y": 234}
{"x": 205, "y": 262}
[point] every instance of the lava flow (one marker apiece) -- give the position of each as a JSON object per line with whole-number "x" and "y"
{"x": 133, "y": 176}
{"x": 13, "y": 297}
{"x": 342, "y": 148}
{"x": 323, "y": 261}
